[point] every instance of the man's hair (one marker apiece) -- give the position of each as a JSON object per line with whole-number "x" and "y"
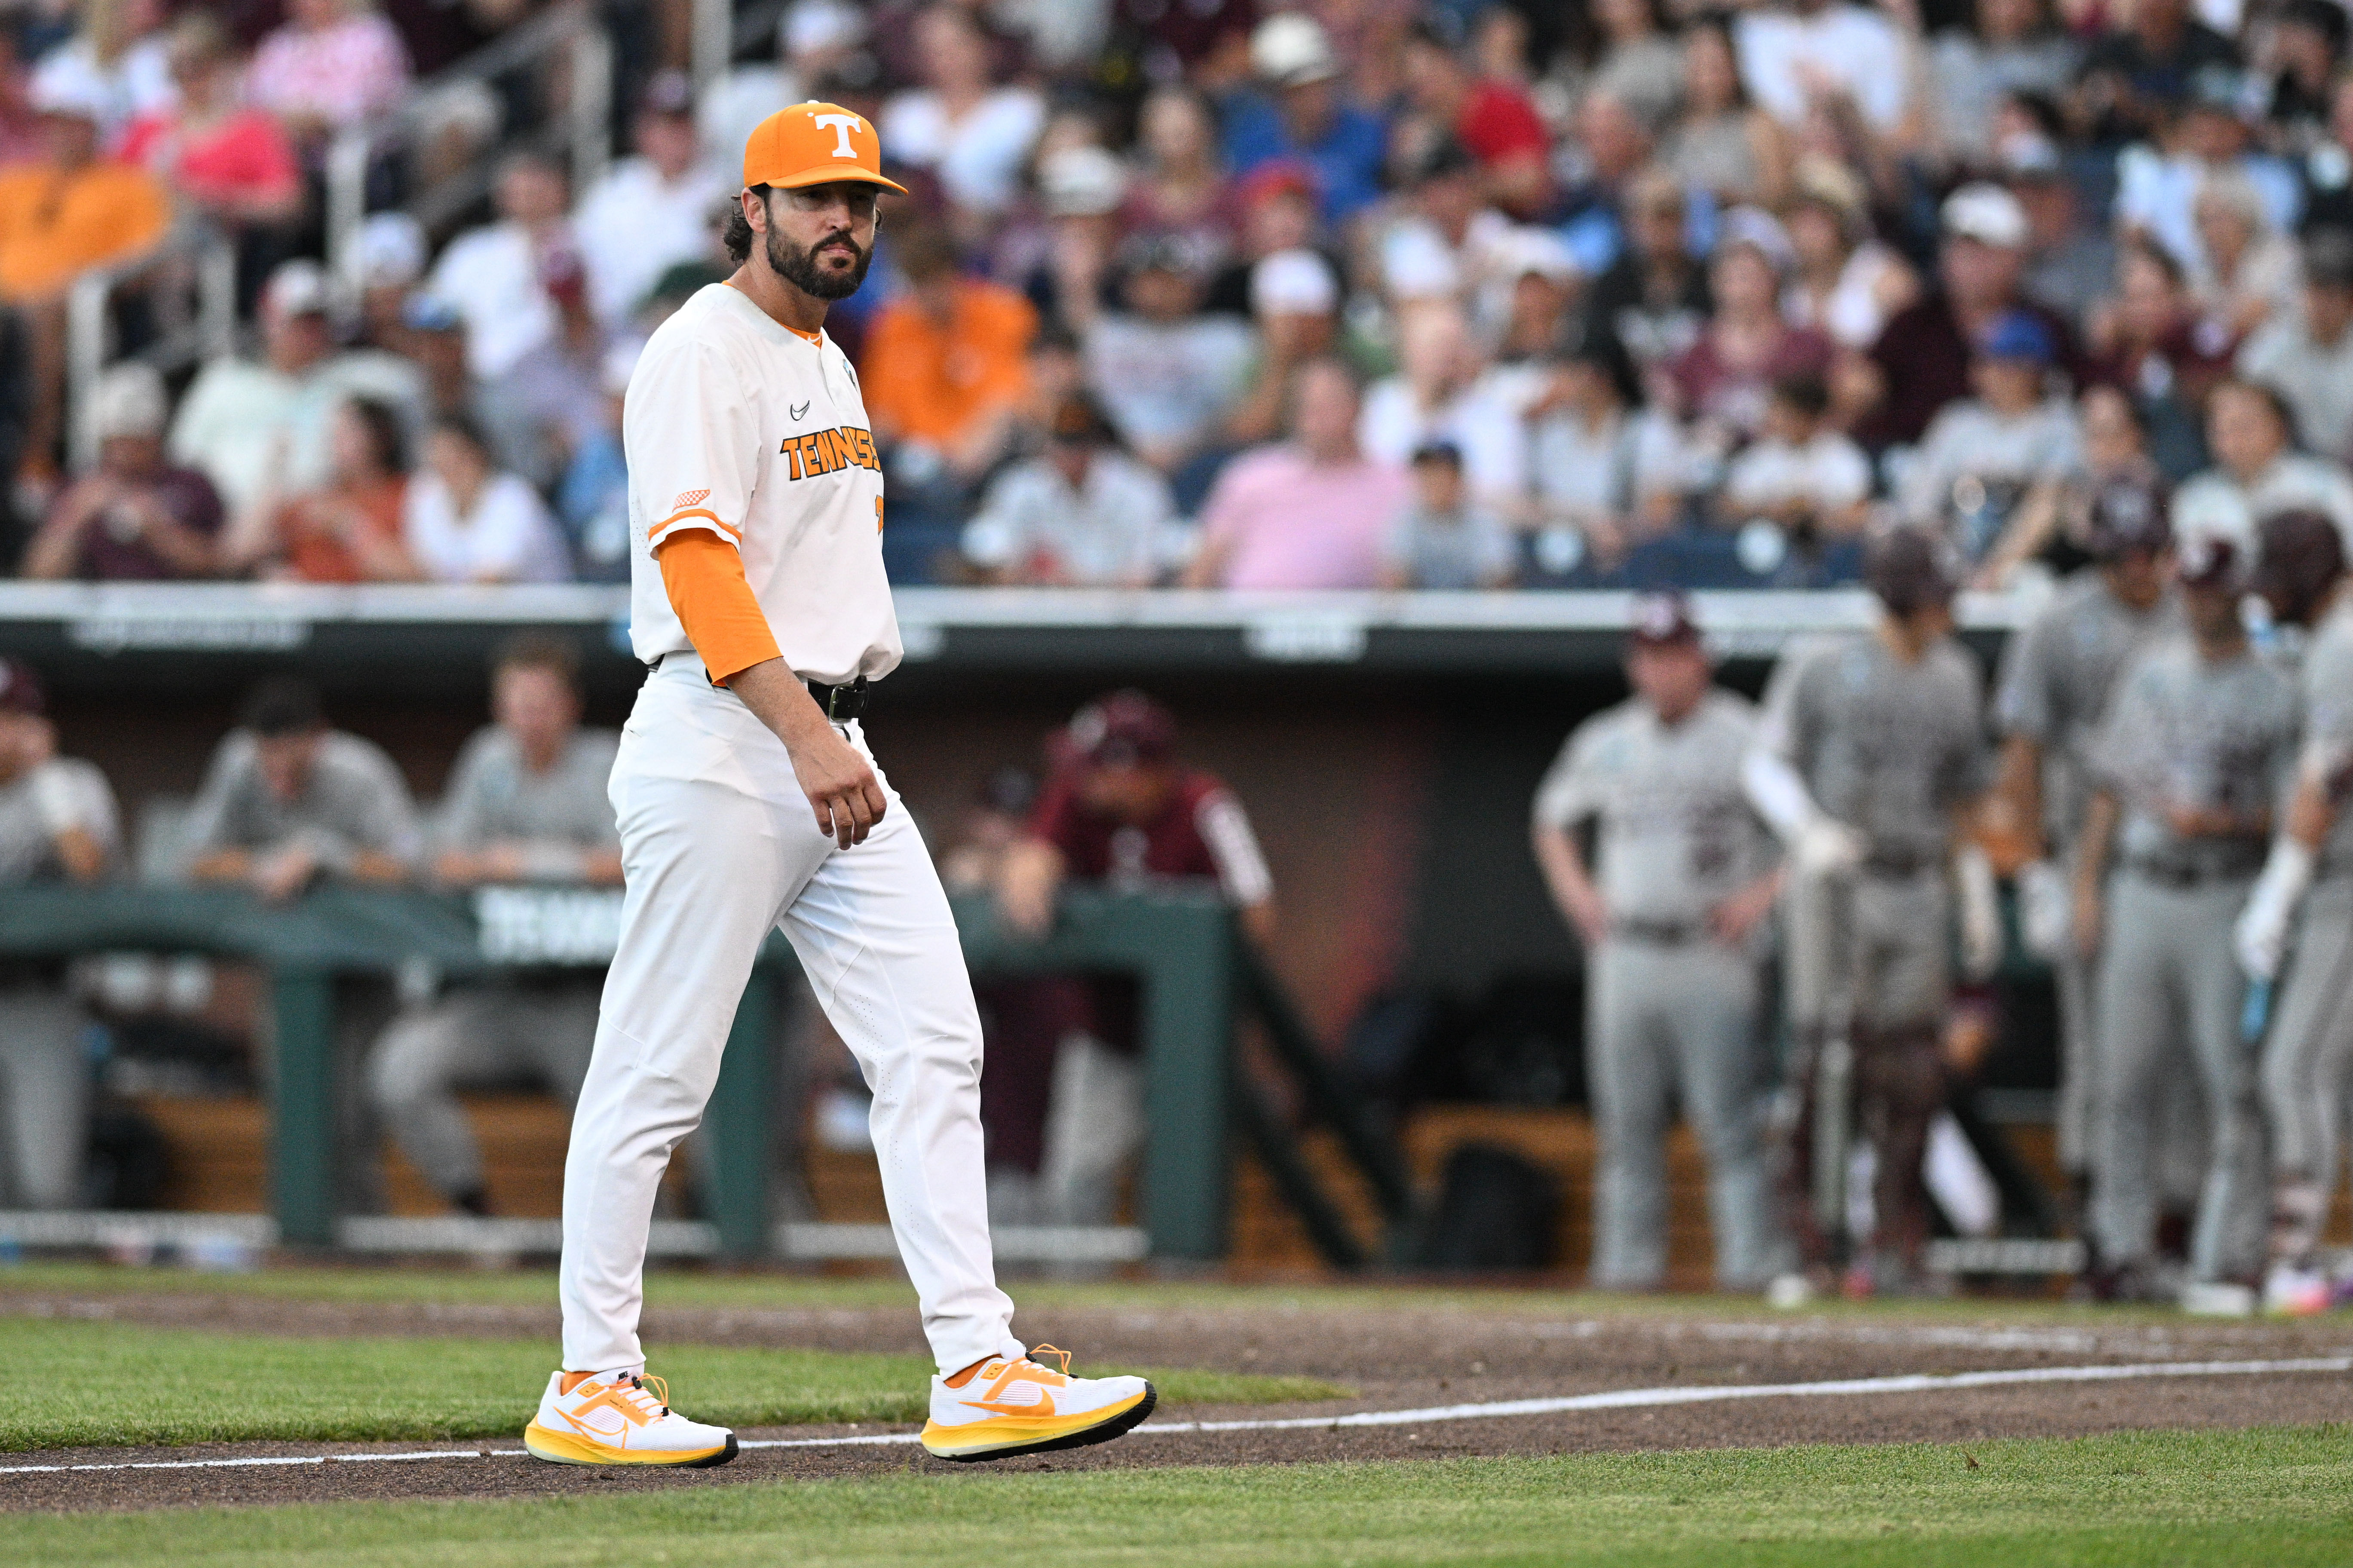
{"x": 283, "y": 705}
{"x": 1805, "y": 391}
{"x": 738, "y": 236}
{"x": 387, "y": 433}
{"x": 559, "y": 656}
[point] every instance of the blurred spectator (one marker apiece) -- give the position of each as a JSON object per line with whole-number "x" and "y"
{"x": 1084, "y": 515}
{"x": 1654, "y": 299}
{"x": 252, "y": 426}
{"x": 816, "y": 41}
{"x": 1609, "y": 472}
{"x": 349, "y": 528}
{"x": 494, "y": 277}
{"x": 1309, "y": 119}
{"x": 210, "y": 147}
{"x": 2015, "y": 46}
{"x": 57, "y": 823}
{"x": 2138, "y": 72}
{"x": 549, "y": 403}
{"x": 58, "y": 217}
{"x": 2055, "y": 521}
{"x": 943, "y": 369}
{"x": 134, "y": 518}
{"x": 1443, "y": 539}
{"x": 1294, "y": 298}
{"x": 1446, "y": 242}
{"x": 1720, "y": 383}
{"x": 1799, "y": 473}
{"x": 1982, "y": 453}
{"x": 1844, "y": 282}
{"x": 1167, "y": 373}
{"x": 466, "y": 522}
{"x": 1439, "y": 395}
{"x": 1610, "y": 147}
{"x": 593, "y": 502}
{"x": 391, "y": 247}
{"x": 1795, "y": 54}
{"x": 653, "y": 210}
{"x": 526, "y": 803}
{"x": 287, "y": 801}
{"x": 1181, "y": 186}
{"x": 2247, "y": 270}
{"x": 332, "y": 65}
{"x": 1491, "y": 118}
{"x": 115, "y": 65}
{"x": 2152, "y": 342}
{"x": 1640, "y": 61}
{"x": 20, "y": 123}
{"x": 1722, "y": 143}
{"x": 2307, "y": 355}
{"x": 2258, "y": 472}
{"x": 2158, "y": 183}
{"x": 2069, "y": 263}
{"x": 1120, "y": 812}
{"x": 1921, "y": 361}
{"x": 2307, "y": 48}
{"x": 974, "y": 134}
{"x": 1305, "y": 514}
{"x": 2327, "y": 171}
{"x": 1540, "y": 284}
{"x": 1081, "y": 188}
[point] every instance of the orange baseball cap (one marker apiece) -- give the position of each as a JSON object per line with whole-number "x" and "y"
{"x": 814, "y": 143}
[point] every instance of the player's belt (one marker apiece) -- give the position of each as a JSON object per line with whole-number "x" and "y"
{"x": 840, "y": 703}
{"x": 1658, "y": 933}
{"x": 2181, "y": 874}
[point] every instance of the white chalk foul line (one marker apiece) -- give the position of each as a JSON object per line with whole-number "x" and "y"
{"x": 1613, "y": 1399}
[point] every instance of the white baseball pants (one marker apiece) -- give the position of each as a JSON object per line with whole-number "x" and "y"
{"x": 718, "y": 846}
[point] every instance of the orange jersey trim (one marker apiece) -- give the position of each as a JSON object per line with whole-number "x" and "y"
{"x": 704, "y": 512}
{"x": 704, "y": 579}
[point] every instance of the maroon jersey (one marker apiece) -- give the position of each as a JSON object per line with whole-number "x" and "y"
{"x": 1200, "y": 832}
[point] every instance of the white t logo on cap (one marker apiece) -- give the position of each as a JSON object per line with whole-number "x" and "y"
{"x": 843, "y": 124}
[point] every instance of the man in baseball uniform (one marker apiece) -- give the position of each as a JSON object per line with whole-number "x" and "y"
{"x": 2184, "y": 772}
{"x": 1685, "y": 875}
{"x": 747, "y": 802}
{"x": 2056, "y": 677}
{"x": 1871, "y": 759}
{"x": 2308, "y": 1058}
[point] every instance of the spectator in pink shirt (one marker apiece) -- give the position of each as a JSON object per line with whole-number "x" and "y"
{"x": 212, "y": 147}
{"x": 333, "y": 64}
{"x": 1306, "y": 514}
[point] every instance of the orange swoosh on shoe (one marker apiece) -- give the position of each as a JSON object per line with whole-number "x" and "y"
{"x": 1044, "y": 1406}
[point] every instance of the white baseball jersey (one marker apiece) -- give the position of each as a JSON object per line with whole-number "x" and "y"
{"x": 738, "y": 425}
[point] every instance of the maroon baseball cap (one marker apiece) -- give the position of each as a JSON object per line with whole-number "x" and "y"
{"x": 1661, "y": 620}
{"x": 2205, "y": 561}
{"x": 20, "y": 689}
{"x": 1124, "y": 728}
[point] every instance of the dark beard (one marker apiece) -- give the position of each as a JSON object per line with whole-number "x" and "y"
{"x": 799, "y": 268}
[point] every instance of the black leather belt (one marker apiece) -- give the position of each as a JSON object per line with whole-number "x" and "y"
{"x": 2180, "y": 875}
{"x": 1658, "y": 933}
{"x": 1897, "y": 864}
{"x": 840, "y": 703}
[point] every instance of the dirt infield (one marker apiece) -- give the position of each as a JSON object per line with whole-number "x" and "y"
{"x": 1407, "y": 1358}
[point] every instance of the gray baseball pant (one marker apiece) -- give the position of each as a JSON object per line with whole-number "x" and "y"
{"x": 477, "y": 1039}
{"x": 44, "y": 1097}
{"x": 1663, "y": 1019}
{"x": 2309, "y": 1065}
{"x": 2169, "y": 979}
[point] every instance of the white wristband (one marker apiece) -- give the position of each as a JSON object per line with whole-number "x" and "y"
{"x": 53, "y": 799}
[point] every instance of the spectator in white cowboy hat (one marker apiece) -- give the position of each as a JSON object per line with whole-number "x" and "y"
{"x": 1307, "y": 117}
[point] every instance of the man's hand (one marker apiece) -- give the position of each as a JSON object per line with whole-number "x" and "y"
{"x": 1586, "y": 911}
{"x": 2087, "y": 919}
{"x": 1828, "y": 847}
{"x": 1027, "y": 884}
{"x": 1731, "y": 920}
{"x": 282, "y": 876}
{"x": 842, "y": 789}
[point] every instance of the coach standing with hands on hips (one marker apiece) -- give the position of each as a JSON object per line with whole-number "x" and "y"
{"x": 747, "y": 801}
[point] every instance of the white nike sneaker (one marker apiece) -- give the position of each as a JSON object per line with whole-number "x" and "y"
{"x": 1005, "y": 1407}
{"x": 617, "y": 1419}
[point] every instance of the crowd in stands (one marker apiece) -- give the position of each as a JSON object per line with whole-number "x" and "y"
{"x": 1489, "y": 294}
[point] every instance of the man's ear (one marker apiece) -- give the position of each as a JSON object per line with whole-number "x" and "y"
{"x": 755, "y": 209}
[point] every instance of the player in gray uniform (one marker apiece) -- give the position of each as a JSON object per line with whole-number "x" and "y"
{"x": 2184, "y": 772}
{"x": 2057, "y": 675}
{"x": 526, "y": 804}
{"x": 2308, "y": 1057}
{"x": 57, "y": 823}
{"x": 1871, "y": 758}
{"x": 1687, "y": 876}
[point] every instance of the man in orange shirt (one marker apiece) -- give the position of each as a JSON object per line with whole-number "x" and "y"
{"x": 945, "y": 372}
{"x": 58, "y": 217}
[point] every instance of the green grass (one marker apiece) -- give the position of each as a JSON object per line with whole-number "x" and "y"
{"x": 2276, "y": 1498}
{"x": 78, "y": 1384}
{"x": 772, "y": 1291}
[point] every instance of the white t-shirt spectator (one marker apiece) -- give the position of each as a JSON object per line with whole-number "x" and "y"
{"x": 138, "y": 83}
{"x": 1168, "y": 384}
{"x": 1830, "y": 472}
{"x": 979, "y": 158}
{"x": 636, "y": 226}
{"x": 1102, "y": 533}
{"x": 2217, "y": 504}
{"x": 1582, "y": 472}
{"x": 248, "y": 427}
{"x": 490, "y": 276}
{"x": 340, "y": 75}
{"x": 1974, "y": 465}
{"x": 1480, "y": 420}
{"x": 508, "y": 537}
{"x": 1417, "y": 261}
{"x": 2314, "y": 378}
{"x": 1782, "y": 53}
{"x": 1467, "y": 548}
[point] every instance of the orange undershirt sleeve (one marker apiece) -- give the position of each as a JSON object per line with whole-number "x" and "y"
{"x": 705, "y": 577}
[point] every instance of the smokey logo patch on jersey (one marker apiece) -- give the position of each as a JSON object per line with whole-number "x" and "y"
{"x": 829, "y": 452}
